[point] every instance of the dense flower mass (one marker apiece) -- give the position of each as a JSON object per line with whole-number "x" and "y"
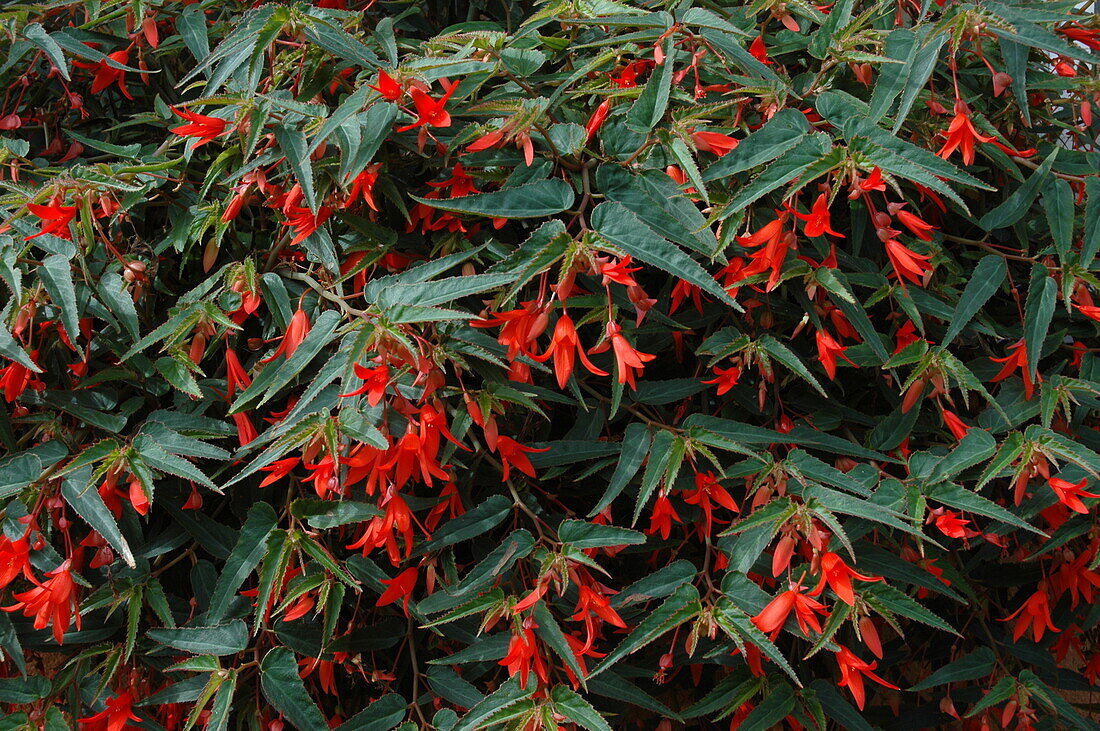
{"x": 539, "y": 364}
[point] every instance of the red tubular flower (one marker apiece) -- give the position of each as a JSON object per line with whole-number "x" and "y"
{"x": 115, "y": 717}
{"x": 907, "y": 264}
{"x": 1017, "y": 358}
{"x": 105, "y": 74}
{"x": 662, "y": 517}
{"x": 618, "y": 271}
{"x": 363, "y": 185}
{"x": 52, "y": 602}
{"x": 715, "y": 142}
{"x": 592, "y": 605}
{"x": 818, "y": 221}
{"x": 725, "y": 378}
{"x": 296, "y": 332}
{"x": 564, "y": 347}
{"x": 399, "y": 587}
{"x": 431, "y": 112}
{"x": 246, "y": 430}
{"x": 852, "y": 672}
{"x": 772, "y": 618}
{"x": 774, "y": 243}
{"x": 522, "y": 654}
{"x": 15, "y": 559}
{"x": 951, "y": 524}
{"x": 200, "y": 126}
{"x": 304, "y": 222}
{"x": 597, "y": 119}
{"x": 514, "y": 454}
{"x": 235, "y": 375}
{"x": 828, "y": 349}
{"x": 1033, "y": 614}
{"x": 961, "y": 135}
{"x": 759, "y": 51}
{"x": 55, "y": 219}
{"x": 917, "y": 225}
{"x": 627, "y": 359}
{"x": 956, "y": 425}
{"x": 838, "y": 575}
{"x": 1070, "y": 494}
{"x": 387, "y": 87}
{"x": 375, "y": 381}
{"x": 279, "y": 469}
{"x": 708, "y": 489}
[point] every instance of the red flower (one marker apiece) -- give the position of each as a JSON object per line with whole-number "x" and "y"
{"x": 52, "y": 602}
{"x": 514, "y": 454}
{"x": 828, "y": 350}
{"x": 399, "y": 587}
{"x": 1070, "y": 494}
{"x": 15, "y": 559}
{"x": 726, "y": 378}
{"x": 956, "y": 425}
{"x": 235, "y": 375}
{"x": 618, "y": 271}
{"x": 296, "y": 332}
{"x": 363, "y": 185}
{"x": 374, "y": 385}
{"x": 1033, "y": 614}
{"x": 200, "y": 126}
{"x": 1064, "y": 69}
{"x": 852, "y": 671}
{"x": 279, "y": 469}
{"x": 951, "y": 524}
{"x": 106, "y": 74}
{"x": 304, "y": 222}
{"x": 662, "y": 517}
{"x": 387, "y": 87}
{"x": 838, "y": 575}
{"x": 873, "y": 181}
{"x": 773, "y": 243}
{"x": 597, "y": 119}
{"x": 55, "y": 219}
{"x": 115, "y": 717}
{"x": 592, "y": 605}
{"x": 962, "y": 135}
{"x": 759, "y": 51}
{"x": 707, "y": 488}
{"x": 908, "y": 264}
{"x": 715, "y": 142}
{"x": 917, "y": 225}
{"x": 772, "y": 618}
{"x": 431, "y": 112}
{"x": 627, "y": 359}
{"x": 522, "y": 654}
{"x": 1017, "y": 358}
{"x": 817, "y": 220}
{"x": 564, "y": 346}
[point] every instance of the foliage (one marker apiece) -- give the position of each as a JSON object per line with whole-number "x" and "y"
{"x": 574, "y": 364}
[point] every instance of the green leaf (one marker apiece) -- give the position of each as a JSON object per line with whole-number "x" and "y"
{"x": 983, "y": 283}
{"x": 470, "y": 524}
{"x": 627, "y": 232}
{"x": 56, "y": 274}
{"x": 292, "y": 142}
{"x": 382, "y": 715}
{"x": 24, "y": 468}
{"x": 786, "y": 356}
{"x": 635, "y": 447}
{"x": 977, "y": 446}
{"x": 781, "y": 133}
{"x": 533, "y": 200}
{"x": 960, "y": 498}
{"x": 1059, "y": 207}
{"x": 222, "y": 639}
{"x": 36, "y": 34}
{"x": 1090, "y": 242}
{"x": 24, "y": 690}
{"x": 286, "y": 692}
{"x": 82, "y": 495}
{"x": 246, "y": 555}
{"x": 1042, "y": 298}
{"x": 677, "y": 609}
{"x": 978, "y": 664}
{"x": 580, "y": 534}
{"x": 507, "y": 695}
{"x": 903, "y": 604}
{"x": 777, "y": 704}
{"x": 793, "y": 164}
{"x": 649, "y": 108}
{"x": 1016, "y": 206}
{"x": 577, "y": 709}
{"x": 901, "y": 45}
